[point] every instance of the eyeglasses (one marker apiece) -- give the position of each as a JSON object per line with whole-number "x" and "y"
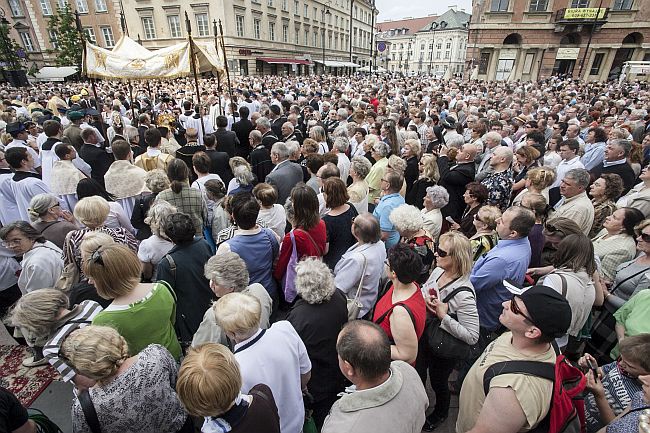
{"x": 440, "y": 252}
{"x": 645, "y": 237}
{"x": 515, "y": 309}
{"x": 477, "y": 218}
{"x": 12, "y": 242}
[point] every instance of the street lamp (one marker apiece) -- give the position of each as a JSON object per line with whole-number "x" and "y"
{"x": 325, "y": 12}
{"x": 408, "y": 55}
{"x": 434, "y": 26}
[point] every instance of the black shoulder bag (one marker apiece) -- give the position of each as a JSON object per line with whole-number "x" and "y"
{"x": 88, "y": 409}
{"x": 441, "y": 343}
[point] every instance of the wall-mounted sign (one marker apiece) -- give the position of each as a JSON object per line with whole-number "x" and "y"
{"x": 509, "y": 53}
{"x": 567, "y": 53}
{"x": 245, "y": 52}
{"x": 584, "y": 13}
{"x": 381, "y": 46}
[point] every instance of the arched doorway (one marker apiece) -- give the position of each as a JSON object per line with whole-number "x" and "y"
{"x": 507, "y": 56}
{"x": 565, "y": 60}
{"x": 625, "y": 53}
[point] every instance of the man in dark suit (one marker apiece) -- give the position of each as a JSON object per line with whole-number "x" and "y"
{"x": 96, "y": 157}
{"x": 227, "y": 141}
{"x": 186, "y": 152}
{"x": 456, "y": 178}
{"x": 277, "y": 119}
{"x": 615, "y": 162}
{"x": 259, "y": 158}
{"x": 242, "y": 129}
{"x": 286, "y": 174}
{"x": 218, "y": 160}
{"x": 268, "y": 137}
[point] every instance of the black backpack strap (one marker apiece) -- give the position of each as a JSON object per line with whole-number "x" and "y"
{"x": 456, "y": 291}
{"x": 545, "y": 370}
{"x": 172, "y": 266}
{"x": 564, "y": 283}
{"x": 408, "y": 310}
{"x": 89, "y": 411}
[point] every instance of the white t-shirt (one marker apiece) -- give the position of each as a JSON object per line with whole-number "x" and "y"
{"x": 153, "y": 249}
{"x": 277, "y": 359}
{"x": 275, "y": 219}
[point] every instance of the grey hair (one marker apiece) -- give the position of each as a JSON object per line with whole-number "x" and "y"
{"x": 293, "y": 147}
{"x": 341, "y": 131}
{"x": 288, "y": 125}
{"x": 438, "y": 196}
{"x": 38, "y": 311}
{"x": 257, "y": 135}
{"x": 40, "y": 204}
{"x": 130, "y": 132}
{"x": 243, "y": 175}
{"x": 406, "y": 218}
{"x": 281, "y": 150}
{"x": 263, "y": 122}
{"x": 361, "y": 166}
{"x": 156, "y": 180}
{"x": 456, "y": 141}
{"x": 158, "y": 211}
{"x": 342, "y": 112}
{"x": 580, "y": 175}
{"x": 228, "y": 270}
{"x": 626, "y": 145}
{"x": 341, "y": 144}
{"x": 492, "y": 136}
{"x": 288, "y": 210}
{"x": 381, "y": 148}
{"x": 314, "y": 281}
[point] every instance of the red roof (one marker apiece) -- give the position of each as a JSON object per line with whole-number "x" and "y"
{"x": 412, "y": 24}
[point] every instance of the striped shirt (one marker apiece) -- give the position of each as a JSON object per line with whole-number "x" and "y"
{"x": 80, "y": 316}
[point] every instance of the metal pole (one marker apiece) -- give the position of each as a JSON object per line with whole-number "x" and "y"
{"x": 323, "y": 47}
{"x": 193, "y": 65}
{"x": 373, "y": 49}
{"x": 216, "y": 47}
{"x": 351, "y": 4}
{"x": 77, "y": 19}
{"x": 225, "y": 61}
{"x": 125, "y": 28}
{"x": 591, "y": 34}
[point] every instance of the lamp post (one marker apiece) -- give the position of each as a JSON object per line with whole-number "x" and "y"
{"x": 408, "y": 55}
{"x": 435, "y": 26}
{"x": 328, "y": 13}
{"x": 373, "y": 49}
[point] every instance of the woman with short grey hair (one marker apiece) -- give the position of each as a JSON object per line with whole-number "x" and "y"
{"x": 242, "y": 180}
{"x": 154, "y": 248}
{"x": 227, "y": 273}
{"x": 358, "y": 190}
{"x": 409, "y": 223}
{"x": 49, "y": 219}
{"x": 317, "y": 316}
{"x": 436, "y": 198}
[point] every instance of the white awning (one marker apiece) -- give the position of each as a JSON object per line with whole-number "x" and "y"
{"x": 53, "y": 73}
{"x": 337, "y": 64}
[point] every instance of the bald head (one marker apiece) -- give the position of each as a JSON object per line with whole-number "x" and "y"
{"x": 366, "y": 229}
{"x": 467, "y": 154}
{"x": 501, "y": 158}
{"x": 364, "y": 346}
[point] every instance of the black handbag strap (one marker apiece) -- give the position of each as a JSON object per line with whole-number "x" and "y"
{"x": 545, "y": 370}
{"x": 628, "y": 278}
{"x": 456, "y": 291}
{"x": 89, "y": 411}
{"x": 408, "y": 310}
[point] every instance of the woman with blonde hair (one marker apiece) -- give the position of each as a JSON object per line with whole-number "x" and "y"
{"x": 317, "y": 316}
{"x": 428, "y": 176}
{"x": 317, "y": 133}
{"x": 154, "y": 248}
{"x": 144, "y": 379}
{"x": 538, "y": 181}
{"x": 449, "y": 296}
{"x": 358, "y": 190}
{"x": 143, "y": 313}
{"x": 526, "y": 158}
{"x": 209, "y": 384}
{"x": 486, "y": 236}
{"x": 92, "y": 213}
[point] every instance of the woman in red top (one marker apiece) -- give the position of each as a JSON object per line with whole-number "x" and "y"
{"x": 308, "y": 229}
{"x": 404, "y": 329}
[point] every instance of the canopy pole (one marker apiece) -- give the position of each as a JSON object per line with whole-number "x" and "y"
{"x": 193, "y": 64}
{"x": 216, "y": 47}
{"x": 153, "y": 102}
{"x": 132, "y": 102}
{"x": 225, "y": 62}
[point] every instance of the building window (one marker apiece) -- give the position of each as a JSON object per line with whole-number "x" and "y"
{"x": 202, "y": 25}
{"x": 538, "y": 6}
{"x": 306, "y": 11}
{"x": 100, "y": 6}
{"x": 285, "y": 33}
{"x": 314, "y": 38}
{"x": 285, "y": 5}
{"x": 82, "y": 6}
{"x": 54, "y": 39}
{"x": 315, "y": 13}
{"x": 499, "y": 6}
{"x": 61, "y": 4}
{"x": 271, "y": 31}
{"x": 270, "y": 3}
{"x": 45, "y": 7}
{"x": 447, "y": 54}
{"x": 296, "y": 7}
{"x": 256, "y": 28}
{"x": 448, "y": 45}
{"x": 27, "y": 41}
{"x": 107, "y": 33}
{"x": 579, "y": 3}
{"x": 598, "y": 61}
{"x": 483, "y": 63}
{"x": 296, "y": 36}
{"x": 16, "y": 8}
{"x": 306, "y": 37}
{"x": 239, "y": 25}
{"x": 174, "y": 22}
{"x": 89, "y": 33}
{"x": 149, "y": 28}
{"x": 623, "y": 5}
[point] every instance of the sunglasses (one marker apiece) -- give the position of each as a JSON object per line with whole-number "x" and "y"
{"x": 645, "y": 237}
{"x": 440, "y": 252}
{"x": 552, "y": 229}
{"x": 477, "y": 218}
{"x": 515, "y": 309}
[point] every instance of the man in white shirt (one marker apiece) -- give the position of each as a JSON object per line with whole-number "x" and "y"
{"x": 276, "y": 357}
{"x": 19, "y": 134}
{"x": 569, "y": 152}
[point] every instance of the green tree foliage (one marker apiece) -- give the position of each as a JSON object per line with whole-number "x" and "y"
{"x": 11, "y": 54}
{"x": 70, "y": 49}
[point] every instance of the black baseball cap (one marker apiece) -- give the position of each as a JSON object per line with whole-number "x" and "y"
{"x": 548, "y": 309}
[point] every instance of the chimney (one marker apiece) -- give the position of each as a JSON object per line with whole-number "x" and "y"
{"x": 453, "y": 7}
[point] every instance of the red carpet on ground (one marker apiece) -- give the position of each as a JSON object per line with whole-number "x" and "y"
{"x": 26, "y": 383}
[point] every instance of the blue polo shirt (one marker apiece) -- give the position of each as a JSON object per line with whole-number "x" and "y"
{"x": 507, "y": 261}
{"x": 382, "y": 212}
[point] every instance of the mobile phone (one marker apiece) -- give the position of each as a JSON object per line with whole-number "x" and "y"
{"x": 593, "y": 367}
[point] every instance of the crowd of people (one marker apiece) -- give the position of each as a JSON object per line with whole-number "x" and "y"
{"x": 314, "y": 253}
